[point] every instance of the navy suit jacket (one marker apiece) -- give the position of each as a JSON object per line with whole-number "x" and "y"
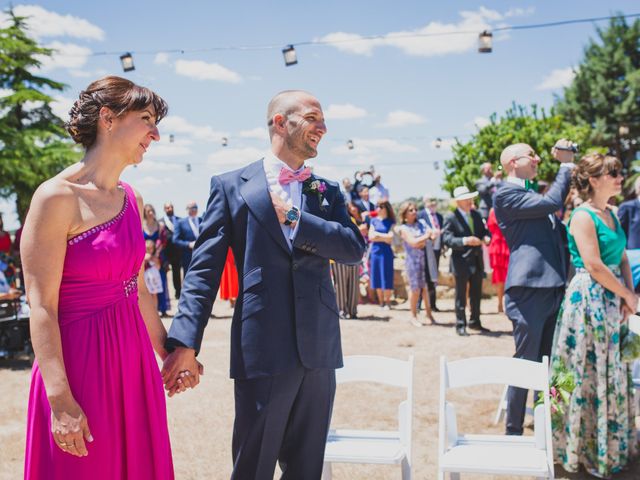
{"x": 629, "y": 215}
{"x": 538, "y": 258}
{"x": 464, "y": 258}
{"x": 182, "y": 236}
{"x": 486, "y": 188}
{"x": 286, "y": 313}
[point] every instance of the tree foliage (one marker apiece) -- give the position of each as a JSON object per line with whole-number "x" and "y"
{"x": 518, "y": 125}
{"x": 605, "y": 92}
{"x": 33, "y": 143}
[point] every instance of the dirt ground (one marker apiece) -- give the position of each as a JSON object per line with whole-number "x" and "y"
{"x": 201, "y": 420}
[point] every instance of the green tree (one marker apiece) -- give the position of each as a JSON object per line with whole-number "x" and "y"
{"x": 605, "y": 92}
{"x": 33, "y": 142}
{"x": 538, "y": 129}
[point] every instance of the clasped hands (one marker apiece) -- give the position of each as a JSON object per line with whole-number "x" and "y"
{"x": 181, "y": 370}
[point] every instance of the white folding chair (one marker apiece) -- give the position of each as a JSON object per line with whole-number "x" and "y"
{"x": 494, "y": 454}
{"x": 370, "y": 446}
{"x": 502, "y": 407}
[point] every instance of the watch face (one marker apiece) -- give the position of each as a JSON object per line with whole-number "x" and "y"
{"x": 293, "y": 215}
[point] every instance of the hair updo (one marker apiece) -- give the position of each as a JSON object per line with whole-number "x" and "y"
{"x": 592, "y": 166}
{"x": 119, "y": 95}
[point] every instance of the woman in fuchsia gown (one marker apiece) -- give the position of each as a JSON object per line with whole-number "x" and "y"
{"x": 97, "y": 405}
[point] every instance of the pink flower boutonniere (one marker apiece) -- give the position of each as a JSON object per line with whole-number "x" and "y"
{"x": 316, "y": 187}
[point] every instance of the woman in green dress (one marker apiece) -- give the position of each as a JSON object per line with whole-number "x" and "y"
{"x": 598, "y": 426}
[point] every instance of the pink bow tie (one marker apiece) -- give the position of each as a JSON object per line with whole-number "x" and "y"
{"x": 287, "y": 176}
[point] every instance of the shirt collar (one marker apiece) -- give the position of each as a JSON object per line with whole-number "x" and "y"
{"x": 464, "y": 214}
{"x": 273, "y": 164}
{"x": 516, "y": 181}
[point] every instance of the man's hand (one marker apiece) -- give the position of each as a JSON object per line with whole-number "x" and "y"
{"x": 280, "y": 206}
{"x": 487, "y": 240}
{"x": 563, "y": 156}
{"x": 472, "y": 241}
{"x": 181, "y": 370}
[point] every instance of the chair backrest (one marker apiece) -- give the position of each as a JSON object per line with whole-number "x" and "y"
{"x": 387, "y": 371}
{"x": 496, "y": 370}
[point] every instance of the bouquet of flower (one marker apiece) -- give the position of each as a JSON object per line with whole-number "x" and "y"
{"x": 629, "y": 344}
{"x": 562, "y": 385}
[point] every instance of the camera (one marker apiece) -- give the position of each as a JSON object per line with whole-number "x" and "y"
{"x": 574, "y": 147}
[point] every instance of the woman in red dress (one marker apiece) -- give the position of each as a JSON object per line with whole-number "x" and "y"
{"x": 229, "y": 281}
{"x": 498, "y": 257}
{"x": 5, "y": 239}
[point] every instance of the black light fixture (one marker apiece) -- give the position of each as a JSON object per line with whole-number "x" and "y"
{"x": 485, "y": 42}
{"x": 350, "y": 144}
{"x": 127, "y": 62}
{"x": 438, "y": 142}
{"x": 436, "y": 165}
{"x": 290, "y": 57}
{"x": 188, "y": 167}
{"x": 172, "y": 138}
{"x": 225, "y": 141}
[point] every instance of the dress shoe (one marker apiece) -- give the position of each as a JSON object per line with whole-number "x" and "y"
{"x": 462, "y": 331}
{"x": 435, "y": 309}
{"x": 477, "y": 326}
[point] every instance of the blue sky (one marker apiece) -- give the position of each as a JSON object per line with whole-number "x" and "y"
{"x": 393, "y": 97}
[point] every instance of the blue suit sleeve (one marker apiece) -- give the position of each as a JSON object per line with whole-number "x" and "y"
{"x": 526, "y": 205}
{"x": 623, "y": 216}
{"x": 177, "y": 233}
{"x": 338, "y": 239}
{"x": 202, "y": 280}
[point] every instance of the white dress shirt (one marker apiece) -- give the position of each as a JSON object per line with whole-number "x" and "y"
{"x": 290, "y": 193}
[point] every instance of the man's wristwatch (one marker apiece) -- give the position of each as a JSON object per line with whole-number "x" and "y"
{"x": 292, "y": 216}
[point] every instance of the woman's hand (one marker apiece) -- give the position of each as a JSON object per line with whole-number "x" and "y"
{"x": 69, "y": 426}
{"x": 630, "y": 305}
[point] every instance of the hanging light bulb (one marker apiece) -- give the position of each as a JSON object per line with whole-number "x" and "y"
{"x": 436, "y": 165}
{"x": 623, "y": 130}
{"x": 438, "y": 142}
{"x": 127, "y": 62}
{"x": 290, "y": 57}
{"x": 188, "y": 167}
{"x": 485, "y": 42}
{"x": 350, "y": 144}
{"x": 172, "y": 138}
{"x": 225, "y": 141}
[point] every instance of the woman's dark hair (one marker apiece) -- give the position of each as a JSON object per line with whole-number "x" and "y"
{"x": 389, "y": 209}
{"x": 119, "y": 95}
{"x": 592, "y": 166}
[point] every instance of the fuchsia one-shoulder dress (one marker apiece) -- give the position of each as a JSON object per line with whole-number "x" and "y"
{"x": 109, "y": 360}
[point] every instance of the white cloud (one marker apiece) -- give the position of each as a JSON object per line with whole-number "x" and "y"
{"x": 519, "y": 12}
{"x": 43, "y": 23}
{"x": 65, "y": 55}
{"x": 161, "y": 58}
{"x": 435, "y": 38}
{"x": 478, "y": 123}
{"x": 153, "y": 166}
{"x": 344, "y": 111}
{"x": 200, "y": 70}
{"x": 260, "y": 133}
{"x": 369, "y": 146}
{"x": 227, "y": 158}
{"x": 175, "y": 124}
{"x": 149, "y": 181}
{"x": 558, "y": 78}
{"x": 61, "y": 106}
{"x": 401, "y": 118}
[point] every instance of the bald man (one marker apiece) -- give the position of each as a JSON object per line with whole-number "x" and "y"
{"x": 537, "y": 263}
{"x": 283, "y": 224}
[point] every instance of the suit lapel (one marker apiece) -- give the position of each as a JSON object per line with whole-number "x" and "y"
{"x": 463, "y": 222}
{"x": 255, "y": 192}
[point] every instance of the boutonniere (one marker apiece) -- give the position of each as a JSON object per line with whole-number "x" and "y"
{"x": 316, "y": 187}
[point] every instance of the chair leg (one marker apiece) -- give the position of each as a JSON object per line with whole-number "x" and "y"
{"x": 454, "y": 476}
{"x": 406, "y": 469}
{"x": 326, "y": 471}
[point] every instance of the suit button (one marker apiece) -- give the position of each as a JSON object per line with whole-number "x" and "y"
{"x": 295, "y": 266}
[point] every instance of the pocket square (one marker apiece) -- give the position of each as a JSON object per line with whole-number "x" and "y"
{"x": 325, "y": 203}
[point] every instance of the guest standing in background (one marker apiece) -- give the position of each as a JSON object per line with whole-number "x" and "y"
{"x": 5, "y": 239}
{"x": 186, "y": 232}
{"x": 434, "y": 221}
{"x": 172, "y": 251}
{"x": 498, "y": 258}
{"x": 415, "y": 233}
{"x": 486, "y": 187}
{"x": 154, "y": 231}
{"x": 229, "y": 280}
{"x": 381, "y": 256}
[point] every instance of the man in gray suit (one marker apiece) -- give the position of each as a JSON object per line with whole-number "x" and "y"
{"x": 486, "y": 186}
{"x": 538, "y": 262}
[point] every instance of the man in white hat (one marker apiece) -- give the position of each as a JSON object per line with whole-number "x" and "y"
{"x": 464, "y": 232}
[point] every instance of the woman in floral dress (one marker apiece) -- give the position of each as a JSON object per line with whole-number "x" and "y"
{"x": 597, "y": 429}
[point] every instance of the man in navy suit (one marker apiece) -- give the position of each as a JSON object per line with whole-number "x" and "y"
{"x": 186, "y": 232}
{"x": 629, "y": 215}
{"x": 284, "y": 225}
{"x": 464, "y": 232}
{"x": 434, "y": 221}
{"x": 172, "y": 251}
{"x": 538, "y": 262}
